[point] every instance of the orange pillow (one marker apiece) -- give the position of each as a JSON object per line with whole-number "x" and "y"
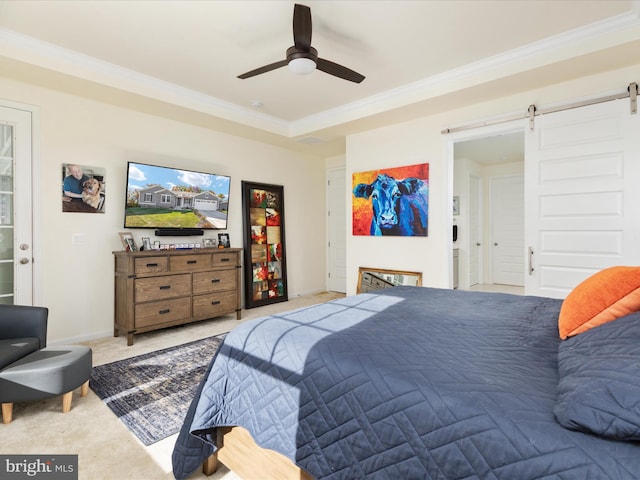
{"x": 609, "y": 294}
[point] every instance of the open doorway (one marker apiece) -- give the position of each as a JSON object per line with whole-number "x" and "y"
{"x": 488, "y": 185}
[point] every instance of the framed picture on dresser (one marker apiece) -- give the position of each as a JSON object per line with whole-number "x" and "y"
{"x": 265, "y": 272}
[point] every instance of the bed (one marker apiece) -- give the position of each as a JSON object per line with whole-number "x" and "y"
{"x": 423, "y": 383}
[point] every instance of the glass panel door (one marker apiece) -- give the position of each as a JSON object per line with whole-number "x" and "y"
{"x": 16, "y": 206}
{"x": 6, "y": 216}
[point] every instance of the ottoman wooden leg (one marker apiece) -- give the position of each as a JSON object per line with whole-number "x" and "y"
{"x": 7, "y": 413}
{"x": 67, "y": 397}
{"x": 66, "y": 401}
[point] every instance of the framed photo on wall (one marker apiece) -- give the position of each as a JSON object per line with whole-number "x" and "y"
{"x": 83, "y": 188}
{"x": 265, "y": 272}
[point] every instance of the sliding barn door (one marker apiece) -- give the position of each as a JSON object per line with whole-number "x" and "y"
{"x": 582, "y": 188}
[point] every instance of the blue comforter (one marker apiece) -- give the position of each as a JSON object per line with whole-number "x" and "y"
{"x": 409, "y": 382}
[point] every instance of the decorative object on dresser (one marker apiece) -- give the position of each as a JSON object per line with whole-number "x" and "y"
{"x": 265, "y": 276}
{"x": 223, "y": 240}
{"x": 159, "y": 289}
{"x": 146, "y": 243}
{"x": 128, "y": 242}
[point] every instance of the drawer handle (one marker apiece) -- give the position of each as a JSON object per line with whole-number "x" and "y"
{"x": 165, "y": 287}
{"x": 162, "y": 312}
{"x": 217, "y": 302}
{"x": 215, "y": 280}
{"x": 225, "y": 259}
{"x": 152, "y": 265}
{"x": 191, "y": 262}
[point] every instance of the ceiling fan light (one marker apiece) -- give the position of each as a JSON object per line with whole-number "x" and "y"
{"x": 302, "y": 66}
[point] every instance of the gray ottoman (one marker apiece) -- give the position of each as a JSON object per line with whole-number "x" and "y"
{"x": 46, "y": 373}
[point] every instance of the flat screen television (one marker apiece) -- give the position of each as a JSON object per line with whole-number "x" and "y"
{"x": 175, "y": 200}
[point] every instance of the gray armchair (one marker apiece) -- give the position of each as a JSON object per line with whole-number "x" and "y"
{"x": 19, "y": 321}
{"x": 23, "y": 330}
{"x": 29, "y": 370}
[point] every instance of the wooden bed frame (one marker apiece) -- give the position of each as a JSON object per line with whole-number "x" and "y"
{"x": 240, "y": 454}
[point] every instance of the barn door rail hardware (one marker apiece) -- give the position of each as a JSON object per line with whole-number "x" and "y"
{"x": 631, "y": 92}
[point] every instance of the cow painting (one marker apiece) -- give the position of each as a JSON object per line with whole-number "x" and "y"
{"x": 399, "y": 207}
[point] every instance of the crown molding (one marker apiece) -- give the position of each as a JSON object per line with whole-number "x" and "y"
{"x": 46, "y": 55}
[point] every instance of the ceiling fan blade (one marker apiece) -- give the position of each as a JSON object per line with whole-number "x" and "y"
{"x": 339, "y": 71}
{"x": 302, "y": 27}
{"x": 265, "y": 69}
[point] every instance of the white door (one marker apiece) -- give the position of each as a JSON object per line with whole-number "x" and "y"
{"x": 582, "y": 195}
{"x": 507, "y": 230}
{"x": 475, "y": 230}
{"x": 16, "y": 257}
{"x": 337, "y": 227}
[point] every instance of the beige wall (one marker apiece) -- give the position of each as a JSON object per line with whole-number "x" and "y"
{"x": 77, "y": 280}
{"x": 421, "y": 141}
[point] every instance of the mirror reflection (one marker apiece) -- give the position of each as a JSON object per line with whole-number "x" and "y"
{"x": 370, "y": 279}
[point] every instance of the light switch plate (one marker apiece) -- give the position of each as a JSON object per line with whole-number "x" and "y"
{"x": 77, "y": 238}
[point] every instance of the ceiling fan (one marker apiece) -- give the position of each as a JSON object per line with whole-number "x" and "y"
{"x": 302, "y": 58}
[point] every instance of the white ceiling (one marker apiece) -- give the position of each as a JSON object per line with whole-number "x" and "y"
{"x": 181, "y": 58}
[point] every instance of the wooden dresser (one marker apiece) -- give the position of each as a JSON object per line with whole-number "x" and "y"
{"x": 158, "y": 289}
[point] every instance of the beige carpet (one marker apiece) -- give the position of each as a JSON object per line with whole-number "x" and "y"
{"x": 106, "y": 449}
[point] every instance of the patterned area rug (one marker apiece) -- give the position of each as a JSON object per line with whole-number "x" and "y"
{"x": 151, "y": 393}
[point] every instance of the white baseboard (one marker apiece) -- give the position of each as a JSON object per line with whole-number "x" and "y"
{"x": 307, "y": 292}
{"x": 79, "y": 338}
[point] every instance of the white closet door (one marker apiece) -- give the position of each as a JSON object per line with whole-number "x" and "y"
{"x": 475, "y": 230}
{"x": 507, "y": 230}
{"x": 582, "y": 188}
{"x": 337, "y": 226}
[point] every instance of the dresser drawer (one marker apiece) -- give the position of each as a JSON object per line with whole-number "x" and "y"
{"x": 214, "y": 304}
{"x": 151, "y": 265}
{"x": 166, "y": 286}
{"x": 190, "y": 263}
{"x": 223, "y": 259}
{"x": 214, "y": 281}
{"x": 164, "y": 311}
